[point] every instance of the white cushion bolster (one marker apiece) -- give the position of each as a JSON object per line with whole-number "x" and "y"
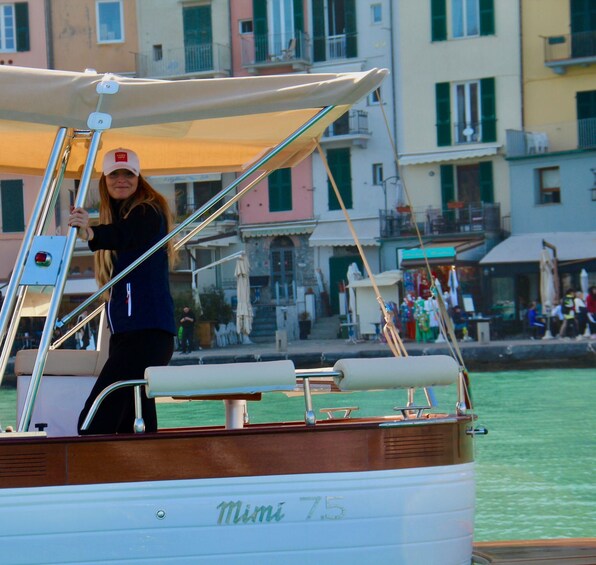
{"x": 229, "y": 378}
{"x": 396, "y": 372}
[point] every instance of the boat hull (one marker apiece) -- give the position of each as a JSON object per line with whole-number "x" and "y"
{"x": 407, "y": 516}
{"x": 357, "y": 491}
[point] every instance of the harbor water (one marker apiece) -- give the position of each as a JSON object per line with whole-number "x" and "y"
{"x": 535, "y": 468}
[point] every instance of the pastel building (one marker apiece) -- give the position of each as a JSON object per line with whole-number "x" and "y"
{"x": 23, "y": 43}
{"x": 457, "y": 85}
{"x": 552, "y": 158}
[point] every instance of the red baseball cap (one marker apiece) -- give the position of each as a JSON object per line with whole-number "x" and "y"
{"x": 121, "y": 159}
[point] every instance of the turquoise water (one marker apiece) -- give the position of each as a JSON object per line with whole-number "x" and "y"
{"x": 535, "y": 468}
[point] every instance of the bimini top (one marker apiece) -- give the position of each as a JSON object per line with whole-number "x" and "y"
{"x": 176, "y": 127}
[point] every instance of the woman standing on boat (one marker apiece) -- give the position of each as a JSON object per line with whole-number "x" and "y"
{"x": 133, "y": 217}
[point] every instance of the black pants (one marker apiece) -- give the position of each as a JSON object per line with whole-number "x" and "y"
{"x": 187, "y": 339}
{"x": 130, "y": 354}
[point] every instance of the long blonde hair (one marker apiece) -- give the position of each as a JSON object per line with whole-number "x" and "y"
{"x": 144, "y": 194}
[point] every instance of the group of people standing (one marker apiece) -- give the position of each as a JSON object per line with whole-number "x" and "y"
{"x": 576, "y": 314}
{"x": 570, "y": 318}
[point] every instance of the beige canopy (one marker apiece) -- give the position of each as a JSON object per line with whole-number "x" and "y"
{"x": 176, "y": 127}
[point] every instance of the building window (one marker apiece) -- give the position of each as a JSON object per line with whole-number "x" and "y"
{"x": 157, "y": 52}
{"x": 465, "y": 19}
{"x": 11, "y": 202}
{"x": 334, "y": 30}
{"x": 7, "y": 28}
{"x": 376, "y": 14}
{"x": 377, "y": 173}
{"x": 466, "y": 112}
{"x": 341, "y": 170}
{"x": 374, "y": 98}
{"x": 245, "y": 26}
{"x": 110, "y": 21}
{"x": 280, "y": 190}
{"x": 468, "y": 18}
{"x": 467, "y": 183}
{"x": 549, "y": 186}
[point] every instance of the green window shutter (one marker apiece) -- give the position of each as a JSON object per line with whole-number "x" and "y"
{"x": 489, "y": 109}
{"x": 280, "y": 190}
{"x": 351, "y": 29}
{"x": 443, "y": 103}
{"x": 259, "y": 18}
{"x": 339, "y": 164}
{"x": 486, "y": 181}
{"x": 11, "y": 200}
{"x": 487, "y": 17}
{"x": 318, "y": 30}
{"x": 21, "y": 11}
{"x": 447, "y": 185}
{"x": 438, "y": 20}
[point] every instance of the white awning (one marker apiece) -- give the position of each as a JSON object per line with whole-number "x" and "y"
{"x": 526, "y": 248}
{"x": 386, "y": 278}
{"x": 444, "y": 156}
{"x": 80, "y": 286}
{"x": 337, "y": 233}
{"x": 273, "y": 230}
{"x": 216, "y": 242}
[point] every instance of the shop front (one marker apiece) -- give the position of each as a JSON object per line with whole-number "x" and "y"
{"x": 454, "y": 265}
{"x": 511, "y": 271}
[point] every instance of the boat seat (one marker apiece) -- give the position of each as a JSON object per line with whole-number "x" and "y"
{"x": 68, "y": 377}
{"x": 396, "y": 372}
{"x": 234, "y": 383}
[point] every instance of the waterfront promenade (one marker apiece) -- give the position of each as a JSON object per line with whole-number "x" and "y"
{"x": 495, "y": 355}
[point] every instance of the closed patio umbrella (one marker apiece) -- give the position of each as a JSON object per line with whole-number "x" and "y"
{"x": 548, "y": 289}
{"x": 244, "y": 312}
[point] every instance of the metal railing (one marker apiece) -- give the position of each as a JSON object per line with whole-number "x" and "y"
{"x": 457, "y": 218}
{"x": 467, "y": 132}
{"x": 275, "y": 49}
{"x": 550, "y": 138}
{"x": 192, "y": 59}
{"x": 570, "y": 46}
{"x": 353, "y": 122}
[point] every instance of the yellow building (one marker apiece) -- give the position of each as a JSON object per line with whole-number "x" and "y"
{"x": 94, "y": 34}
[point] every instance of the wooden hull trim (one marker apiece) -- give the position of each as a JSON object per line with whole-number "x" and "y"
{"x": 217, "y": 453}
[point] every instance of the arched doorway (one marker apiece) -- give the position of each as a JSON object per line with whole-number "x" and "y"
{"x": 282, "y": 254}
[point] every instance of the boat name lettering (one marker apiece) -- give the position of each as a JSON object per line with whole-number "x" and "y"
{"x": 237, "y": 512}
{"x": 324, "y": 507}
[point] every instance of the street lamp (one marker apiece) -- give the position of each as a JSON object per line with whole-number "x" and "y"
{"x": 384, "y": 182}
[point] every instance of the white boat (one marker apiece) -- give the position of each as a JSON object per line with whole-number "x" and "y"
{"x": 391, "y": 488}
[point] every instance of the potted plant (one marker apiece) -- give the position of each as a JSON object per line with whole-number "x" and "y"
{"x": 304, "y": 324}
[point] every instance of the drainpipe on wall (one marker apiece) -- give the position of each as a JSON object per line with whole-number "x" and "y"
{"x": 49, "y": 34}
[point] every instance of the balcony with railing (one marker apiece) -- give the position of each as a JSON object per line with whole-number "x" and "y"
{"x": 458, "y": 218}
{"x": 552, "y": 138}
{"x": 349, "y": 129}
{"x": 202, "y": 61}
{"x": 335, "y": 47}
{"x": 567, "y": 50}
{"x": 271, "y": 51}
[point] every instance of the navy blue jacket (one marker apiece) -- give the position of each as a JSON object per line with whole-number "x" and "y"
{"x": 142, "y": 299}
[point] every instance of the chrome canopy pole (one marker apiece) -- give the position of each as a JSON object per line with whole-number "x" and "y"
{"x": 48, "y": 330}
{"x": 244, "y": 176}
{"x": 10, "y": 316}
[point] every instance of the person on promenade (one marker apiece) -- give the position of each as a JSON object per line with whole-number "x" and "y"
{"x": 460, "y": 322}
{"x": 581, "y": 313}
{"x": 568, "y": 309}
{"x": 187, "y": 322}
{"x": 133, "y": 217}
{"x": 535, "y": 323}
{"x": 591, "y": 310}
